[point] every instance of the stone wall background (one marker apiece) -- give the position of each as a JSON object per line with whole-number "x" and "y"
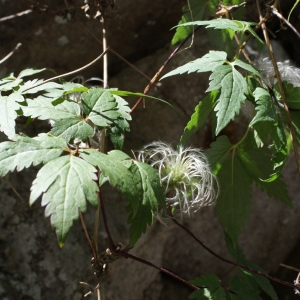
{"x": 31, "y": 264}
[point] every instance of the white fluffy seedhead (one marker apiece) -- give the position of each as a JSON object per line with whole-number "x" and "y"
{"x": 184, "y": 173}
{"x": 287, "y": 71}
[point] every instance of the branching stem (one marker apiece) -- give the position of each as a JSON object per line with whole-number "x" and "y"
{"x": 226, "y": 260}
{"x": 278, "y": 76}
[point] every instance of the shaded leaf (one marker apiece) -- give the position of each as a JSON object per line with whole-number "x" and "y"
{"x": 199, "y": 117}
{"x": 30, "y": 72}
{"x": 100, "y": 106}
{"x": 218, "y": 152}
{"x": 24, "y": 151}
{"x": 234, "y": 202}
{"x": 72, "y": 128}
{"x": 208, "y": 62}
{"x": 233, "y": 90}
{"x": 42, "y": 108}
{"x": 8, "y": 107}
{"x": 65, "y": 182}
{"x": 210, "y": 288}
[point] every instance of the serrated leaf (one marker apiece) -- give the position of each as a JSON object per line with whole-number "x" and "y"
{"x": 65, "y": 182}
{"x": 210, "y": 288}
{"x": 125, "y": 93}
{"x": 23, "y": 151}
{"x": 29, "y": 84}
{"x": 248, "y": 67}
{"x": 226, "y": 24}
{"x": 292, "y": 95}
{"x": 266, "y": 111}
{"x": 218, "y": 152}
{"x": 199, "y": 117}
{"x": 206, "y": 63}
{"x": 260, "y": 167}
{"x": 8, "y": 107}
{"x": 198, "y": 10}
{"x": 242, "y": 290}
{"x": 64, "y": 89}
{"x": 100, "y": 106}
{"x": 44, "y": 87}
{"x": 233, "y": 90}
{"x": 116, "y": 132}
{"x": 8, "y": 85}
{"x": 118, "y": 175}
{"x": 72, "y": 128}
{"x": 42, "y": 108}
{"x": 30, "y": 72}
{"x": 234, "y": 202}
{"x": 152, "y": 196}
{"x": 254, "y": 279}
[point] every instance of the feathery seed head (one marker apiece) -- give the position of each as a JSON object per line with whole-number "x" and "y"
{"x": 184, "y": 174}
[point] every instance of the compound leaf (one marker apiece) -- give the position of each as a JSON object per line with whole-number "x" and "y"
{"x": 198, "y": 11}
{"x": 8, "y": 107}
{"x": 253, "y": 279}
{"x": 65, "y": 182}
{"x": 210, "y": 288}
{"x": 218, "y": 152}
{"x": 233, "y": 90}
{"x": 234, "y": 202}
{"x": 116, "y": 171}
{"x": 199, "y": 117}
{"x": 72, "y": 128}
{"x": 43, "y": 108}
{"x": 100, "y": 106}
{"x": 152, "y": 195}
{"x": 30, "y": 72}
{"x": 208, "y": 62}
{"x": 23, "y": 151}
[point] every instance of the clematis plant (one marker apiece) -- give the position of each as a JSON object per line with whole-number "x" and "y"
{"x": 184, "y": 174}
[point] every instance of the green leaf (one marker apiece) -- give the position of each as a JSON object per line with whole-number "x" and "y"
{"x": 198, "y": 10}
{"x": 114, "y": 168}
{"x": 117, "y": 130}
{"x": 125, "y": 93}
{"x": 65, "y": 182}
{"x": 234, "y": 202}
{"x": 24, "y": 151}
{"x": 210, "y": 288}
{"x": 100, "y": 106}
{"x": 260, "y": 167}
{"x": 72, "y": 128}
{"x": 233, "y": 89}
{"x": 248, "y": 67}
{"x": 8, "y": 107}
{"x": 8, "y": 85}
{"x": 243, "y": 290}
{"x": 152, "y": 196}
{"x": 30, "y": 72}
{"x": 43, "y": 87}
{"x": 266, "y": 111}
{"x": 292, "y": 95}
{"x": 218, "y": 152}
{"x": 199, "y": 117}
{"x": 208, "y": 62}
{"x": 42, "y": 108}
{"x": 63, "y": 90}
{"x": 254, "y": 279}
{"x": 226, "y": 24}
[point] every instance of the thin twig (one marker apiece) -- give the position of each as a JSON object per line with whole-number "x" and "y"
{"x": 110, "y": 241}
{"x": 69, "y": 73}
{"x": 229, "y": 261}
{"x": 112, "y": 50}
{"x": 155, "y": 77}
{"x": 22, "y": 13}
{"x": 278, "y": 76}
{"x": 127, "y": 255}
{"x": 10, "y": 53}
{"x": 290, "y": 268}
